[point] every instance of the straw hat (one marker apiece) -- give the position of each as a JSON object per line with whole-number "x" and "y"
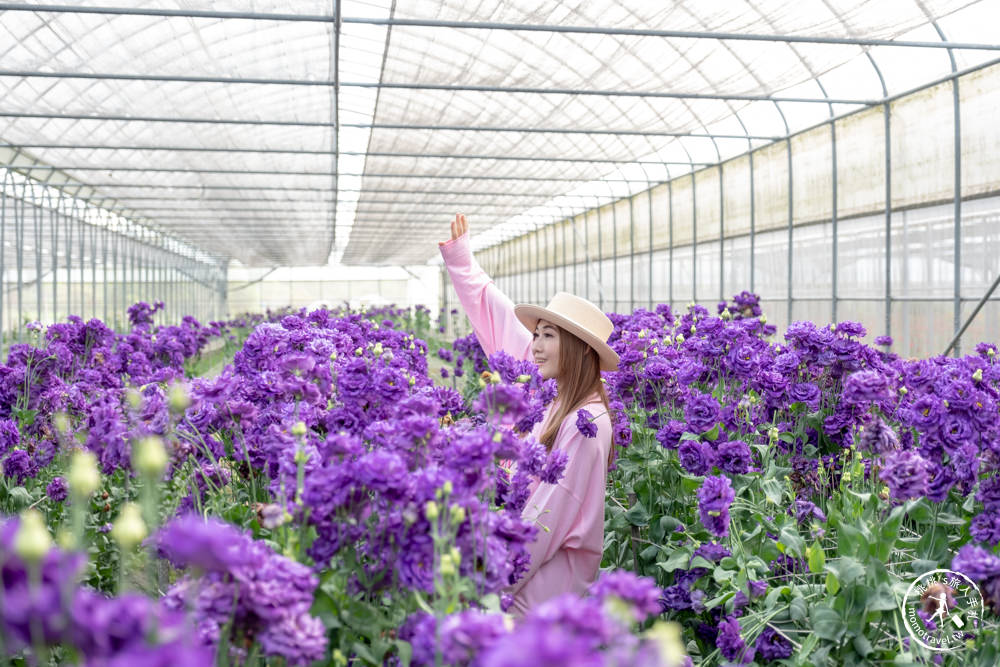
{"x": 577, "y": 316}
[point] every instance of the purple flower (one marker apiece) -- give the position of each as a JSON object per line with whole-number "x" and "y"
{"x": 976, "y": 563}
{"x": 731, "y": 644}
{"x": 863, "y": 386}
{"x": 676, "y": 598}
{"x": 696, "y": 457}
{"x": 701, "y": 412}
{"x": 57, "y": 490}
{"x": 878, "y": 437}
{"x": 805, "y": 511}
{"x": 585, "y": 424}
{"x": 714, "y": 498}
{"x": 669, "y": 436}
{"x": 733, "y": 457}
{"x": 208, "y": 545}
{"x": 9, "y": 435}
{"x": 555, "y": 464}
{"x": 883, "y": 340}
{"x": 711, "y": 551}
{"x": 804, "y": 392}
{"x": 906, "y": 475}
{"x": 18, "y": 466}
{"x": 773, "y": 646}
{"x": 640, "y": 592}
{"x": 758, "y": 588}
{"x": 506, "y": 404}
{"x": 985, "y": 527}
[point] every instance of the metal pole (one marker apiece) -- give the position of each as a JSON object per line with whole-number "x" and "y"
{"x": 3, "y": 253}
{"x": 600, "y": 258}
{"x": 753, "y": 227}
{"x": 722, "y": 234}
{"x": 670, "y": 249}
{"x": 694, "y": 239}
{"x": 631, "y": 253}
{"x": 614, "y": 251}
{"x": 19, "y": 205}
{"x": 979, "y": 306}
{"x": 54, "y": 236}
{"x": 649, "y": 202}
{"x": 36, "y": 219}
{"x": 888, "y": 222}
{"x": 833, "y": 216}
{"x": 791, "y": 225}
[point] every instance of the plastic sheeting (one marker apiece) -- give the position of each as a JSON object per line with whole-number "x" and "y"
{"x": 267, "y": 188}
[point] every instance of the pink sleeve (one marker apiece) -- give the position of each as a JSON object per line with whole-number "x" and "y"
{"x": 489, "y": 310}
{"x": 570, "y": 514}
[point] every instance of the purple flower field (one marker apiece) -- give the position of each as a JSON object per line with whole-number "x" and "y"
{"x": 331, "y": 497}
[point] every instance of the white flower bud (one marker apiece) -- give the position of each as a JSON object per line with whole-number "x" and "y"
{"x": 83, "y": 477}
{"x": 32, "y": 540}
{"x": 177, "y": 398}
{"x": 299, "y": 429}
{"x": 149, "y": 456}
{"x": 129, "y": 529}
{"x": 431, "y": 510}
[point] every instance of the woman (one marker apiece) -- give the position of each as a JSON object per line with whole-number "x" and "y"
{"x": 568, "y": 342}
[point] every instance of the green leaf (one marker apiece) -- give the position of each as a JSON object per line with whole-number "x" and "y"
{"x": 797, "y": 610}
{"x": 917, "y": 510}
{"x": 772, "y": 491}
{"x": 721, "y": 575}
{"x": 861, "y": 497}
{"x": 789, "y": 536}
{"x": 19, "y": 498}
{"x": 405, "y": 652}
{"x": 847, "y": 570}
{"x": 826, "y": 623}
{"x": 713, "y": 434}
{"x": 832, "y": 583}
{"x": 882, "y": 599}
{"x": 863, "y": 646}
{"x": 678, "y": 560}
{"x": 668, "y": 524}
{"x": 362, "y": 652}
{"x": 637, "y": 515}
{"x": 817, "y": 559}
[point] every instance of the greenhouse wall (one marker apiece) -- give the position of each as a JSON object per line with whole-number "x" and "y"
{"x": 771, "y": 221}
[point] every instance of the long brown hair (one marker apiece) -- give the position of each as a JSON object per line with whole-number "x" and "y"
{"x": 579, "y": 379}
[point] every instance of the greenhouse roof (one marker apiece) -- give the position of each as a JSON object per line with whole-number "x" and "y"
{"x": 217, "y": 126}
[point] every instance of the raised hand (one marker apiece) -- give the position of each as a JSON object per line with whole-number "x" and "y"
{"x": 459, "y": 226}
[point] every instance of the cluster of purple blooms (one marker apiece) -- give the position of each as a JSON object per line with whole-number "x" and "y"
{"x": 567, "y": 630}
{"x": 240, "y": 584}
{"x": 50, "y": 608}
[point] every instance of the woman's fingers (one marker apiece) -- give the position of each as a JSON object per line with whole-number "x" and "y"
{"x": 459, "y": 226}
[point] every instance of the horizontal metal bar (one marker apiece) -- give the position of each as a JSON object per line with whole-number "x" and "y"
{"x": 29, "y": 168}
{"x": 389, "y": 126}
{"x": 109, "y": 76}
{"x": 487, "y": 25}
{"x": 299, "y": 209}
{"x": 447, "y": 156}
{"x": 464, "y": 193}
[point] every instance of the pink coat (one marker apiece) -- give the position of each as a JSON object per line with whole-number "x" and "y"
{"x": 567, "y": 553}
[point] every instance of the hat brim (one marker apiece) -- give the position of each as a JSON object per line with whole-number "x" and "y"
{"x": 529, "y": 315}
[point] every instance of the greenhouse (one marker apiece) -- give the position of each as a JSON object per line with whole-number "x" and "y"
{"x": 266, "y": 397}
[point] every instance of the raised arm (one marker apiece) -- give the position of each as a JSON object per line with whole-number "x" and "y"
{"x": 489, "y": 310}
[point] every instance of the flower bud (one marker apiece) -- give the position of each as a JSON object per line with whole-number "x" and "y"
{"x": 133, "y": 397}
{"x": 410, "y": 380}
{"x": 726, "y": 315}
{"x": 177, "y": 398}
{"x": 83, "y": 477}
{"x": 377, "y": 349}
{"x": 904, "y": 390}
{"x": 129, "y": 529}
{"x": 61, "y": 421}
{"x": 694, "y": 329}
{"x": 978, "y": 375}
{"x": 358, "y": 352}
{"x": 497, "y": 436}
{"x": 299, "y": 429}
{"x": 680, "y": 338}
{"x": 763, "y": 318}
{"x": 150, "y": 456}
{"x": 456, "y": 556}
{"x": 32, "y": 540}
{"x": 522, "y": 379}
{"x": 457, "y": 515}
{"x": 447, "y": 487}
{"x": 431, "y": 510}
{"x": 990, "y": 352}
